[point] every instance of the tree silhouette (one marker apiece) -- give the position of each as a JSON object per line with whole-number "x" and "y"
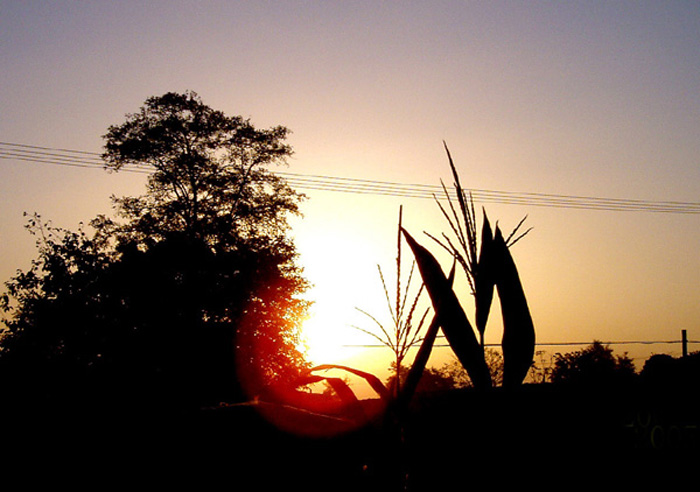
{"x": 662, "y": 371}
{"x": 209, "y": 179}
{"x": 594, "y": 366}
{"x": 192, "y": 297}
{"x": 455, "y": 370}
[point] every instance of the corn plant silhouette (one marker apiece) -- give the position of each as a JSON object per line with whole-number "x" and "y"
{"x": 405, "y": 332}
{"x": 479, "y": 268}
{"x": 492, "y": 268}
{"x": 489, "y": 267}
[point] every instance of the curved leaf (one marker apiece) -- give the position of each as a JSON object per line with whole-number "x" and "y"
{"x": 371, "y": 379}
{"x": 348, "y": 398}
{"x": 452, "y": 318}
{"x": 307, "y": 379}
{"x": 518, "y": 329}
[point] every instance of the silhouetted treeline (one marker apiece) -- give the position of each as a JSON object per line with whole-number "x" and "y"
{"x": 164, "y": 325}
{"x": 189, "y": 296}
{"x": 662, "y": 371}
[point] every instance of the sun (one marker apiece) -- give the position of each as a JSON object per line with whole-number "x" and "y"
{"x": 325, "y": 339}
{"x": 341, "y": 267}
{"x": 318, "y": 343}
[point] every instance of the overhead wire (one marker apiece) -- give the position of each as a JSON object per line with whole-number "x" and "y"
{"x": 86, "y": 159}
{"x": 549, "y": 344}
{"x": 63, "y": 157}
{"x": 351, "y": 185}
{"x": 338, "y": 184}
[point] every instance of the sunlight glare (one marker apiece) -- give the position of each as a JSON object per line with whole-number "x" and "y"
{"x": 325, "y": 337}
{"x": 342, "y": 270}
{"x": 321, "y": 345}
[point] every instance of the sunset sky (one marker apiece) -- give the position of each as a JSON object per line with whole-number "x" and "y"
{"x": 587, "y": 99}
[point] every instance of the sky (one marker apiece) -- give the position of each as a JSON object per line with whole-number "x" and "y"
{"x": 591, "y": 99}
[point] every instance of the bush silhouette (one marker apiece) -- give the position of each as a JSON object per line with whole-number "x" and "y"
{"x": 594, "y": 366}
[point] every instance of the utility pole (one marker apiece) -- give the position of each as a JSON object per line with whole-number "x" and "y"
{"x": 684, "y": 342}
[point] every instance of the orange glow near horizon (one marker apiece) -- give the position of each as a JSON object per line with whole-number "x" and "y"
{"x": 326, "y": 340}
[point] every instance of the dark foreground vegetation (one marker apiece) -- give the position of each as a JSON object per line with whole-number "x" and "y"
{"x": 546, "y": 431}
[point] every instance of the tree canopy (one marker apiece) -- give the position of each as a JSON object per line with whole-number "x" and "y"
{"x": 595, "y": 365}
{"x": 209, "y": 173}
{"x": 192, "y": 296}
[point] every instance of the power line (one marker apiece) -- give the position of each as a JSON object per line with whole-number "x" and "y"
{"x": 551, "y": 344}
{"x": 25, "y": 146}
{"x": 78, "y": 158}
{"x": 62, "y": 157}
{"x": 350, "y": 185}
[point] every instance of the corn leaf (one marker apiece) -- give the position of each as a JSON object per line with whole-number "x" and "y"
{"x": 352, "y": 404}
{"x": 374, "y": 382}
{"x": 307, "y": 379}
{"x": 484, "y": 280}
{"x": 421, "y": 360}
{"x": 518, "y": 329}
{"x": 452, "y": 318}
{"x": 342, "y": 389}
